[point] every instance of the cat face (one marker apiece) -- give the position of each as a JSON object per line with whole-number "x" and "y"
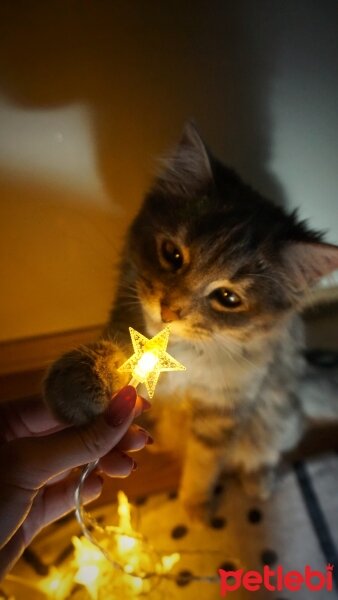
{"x": 205, "y": 283}
{"x": 212, "y": 257}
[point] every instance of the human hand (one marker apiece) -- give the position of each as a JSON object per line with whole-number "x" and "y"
{"x": 38, "y": 454}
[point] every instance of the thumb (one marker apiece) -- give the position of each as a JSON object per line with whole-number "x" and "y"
{"x": 31, "y": 462}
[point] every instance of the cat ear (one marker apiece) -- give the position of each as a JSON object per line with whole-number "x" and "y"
{"x": 308, "y": 262}
{"x": 187, "y": 170}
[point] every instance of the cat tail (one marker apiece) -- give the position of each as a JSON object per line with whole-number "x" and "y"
{"x": 318, "y": 391}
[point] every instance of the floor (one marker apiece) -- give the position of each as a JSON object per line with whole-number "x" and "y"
{"x": 298, "y": 526}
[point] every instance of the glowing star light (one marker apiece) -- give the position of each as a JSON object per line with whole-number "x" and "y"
{"x": 150, "y": 358}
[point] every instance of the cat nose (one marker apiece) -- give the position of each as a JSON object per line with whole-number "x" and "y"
{"x": 168, "y": 315}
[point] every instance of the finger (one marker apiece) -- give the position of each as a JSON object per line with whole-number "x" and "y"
{"x": 23, "y": 418}
{"x": 26, "y": 418}
{"x": 11, "y": 553}
{"x": 142, "y": 405}
{"x": 50, "y": 504}
{"x": 57, "y": 500}
{"x": 26, "y": 464}
{"x": 117, "y": 464}
{"x": 31, "y": 462}
{"x": 135, "y": 439}
{"x": 60, "y": 477}
{"x": 15, "y": 504}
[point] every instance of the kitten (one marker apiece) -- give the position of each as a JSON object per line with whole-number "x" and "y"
{"x": 229, "y": 271}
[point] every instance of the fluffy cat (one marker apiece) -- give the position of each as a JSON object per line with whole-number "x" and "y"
{"x": 229, "y": 271}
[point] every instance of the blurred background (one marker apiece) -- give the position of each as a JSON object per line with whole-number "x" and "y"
{"x": 90, "y": 94}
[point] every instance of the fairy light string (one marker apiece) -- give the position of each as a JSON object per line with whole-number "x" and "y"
{"x": 129, "y": 552}
{"x": 149, "y": 360}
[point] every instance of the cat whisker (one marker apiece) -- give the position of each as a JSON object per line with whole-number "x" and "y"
{"x": 131, "y": 303}
{"x": 237, "y": 353}
{"x": 126, "y": 294}
{"x": 263, "y": 276}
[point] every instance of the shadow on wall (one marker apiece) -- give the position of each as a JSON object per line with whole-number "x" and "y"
{"x": 142, "y": 69}
{"x": 58, "y": 259}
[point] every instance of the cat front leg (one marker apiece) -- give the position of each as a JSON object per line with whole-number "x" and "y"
{"x": 209, "y": 435}
{"x": 202, "y": 468}
{"x": 274, "y": 428}
{"x": 79, "y": 385}
{"x": 261, "y": 483}
{"x": 254, "y": 455}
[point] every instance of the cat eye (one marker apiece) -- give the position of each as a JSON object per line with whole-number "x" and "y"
{"x": 171, "y": 255}
{"x": 223, "y": 298}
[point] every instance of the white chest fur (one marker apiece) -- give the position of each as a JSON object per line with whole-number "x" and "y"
{"x": 211, "y": 370}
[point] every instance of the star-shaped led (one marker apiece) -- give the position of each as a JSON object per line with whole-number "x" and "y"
{"x": 150, "y": 358}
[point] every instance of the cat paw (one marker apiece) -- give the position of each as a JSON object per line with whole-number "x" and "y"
{"x": 197, "y": 511}
{"x": 148, "y": 422}
{"x": 80, "y": 384}
{"x": 260, "y": 484}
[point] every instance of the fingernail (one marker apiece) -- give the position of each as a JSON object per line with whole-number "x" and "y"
{"x": 149, "y": 439}
{"x": 121, "y": 405}
{"x": 145, "y": 404}
{"x": 93, "y": 487}
{"x": 132, "y": 463}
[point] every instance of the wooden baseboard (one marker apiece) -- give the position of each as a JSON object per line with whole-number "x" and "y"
{"x": 23, "y": 363}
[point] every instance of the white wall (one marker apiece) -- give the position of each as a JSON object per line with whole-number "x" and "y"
{"x": 91, "y": 92}
{"x": 304, "y": 105}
